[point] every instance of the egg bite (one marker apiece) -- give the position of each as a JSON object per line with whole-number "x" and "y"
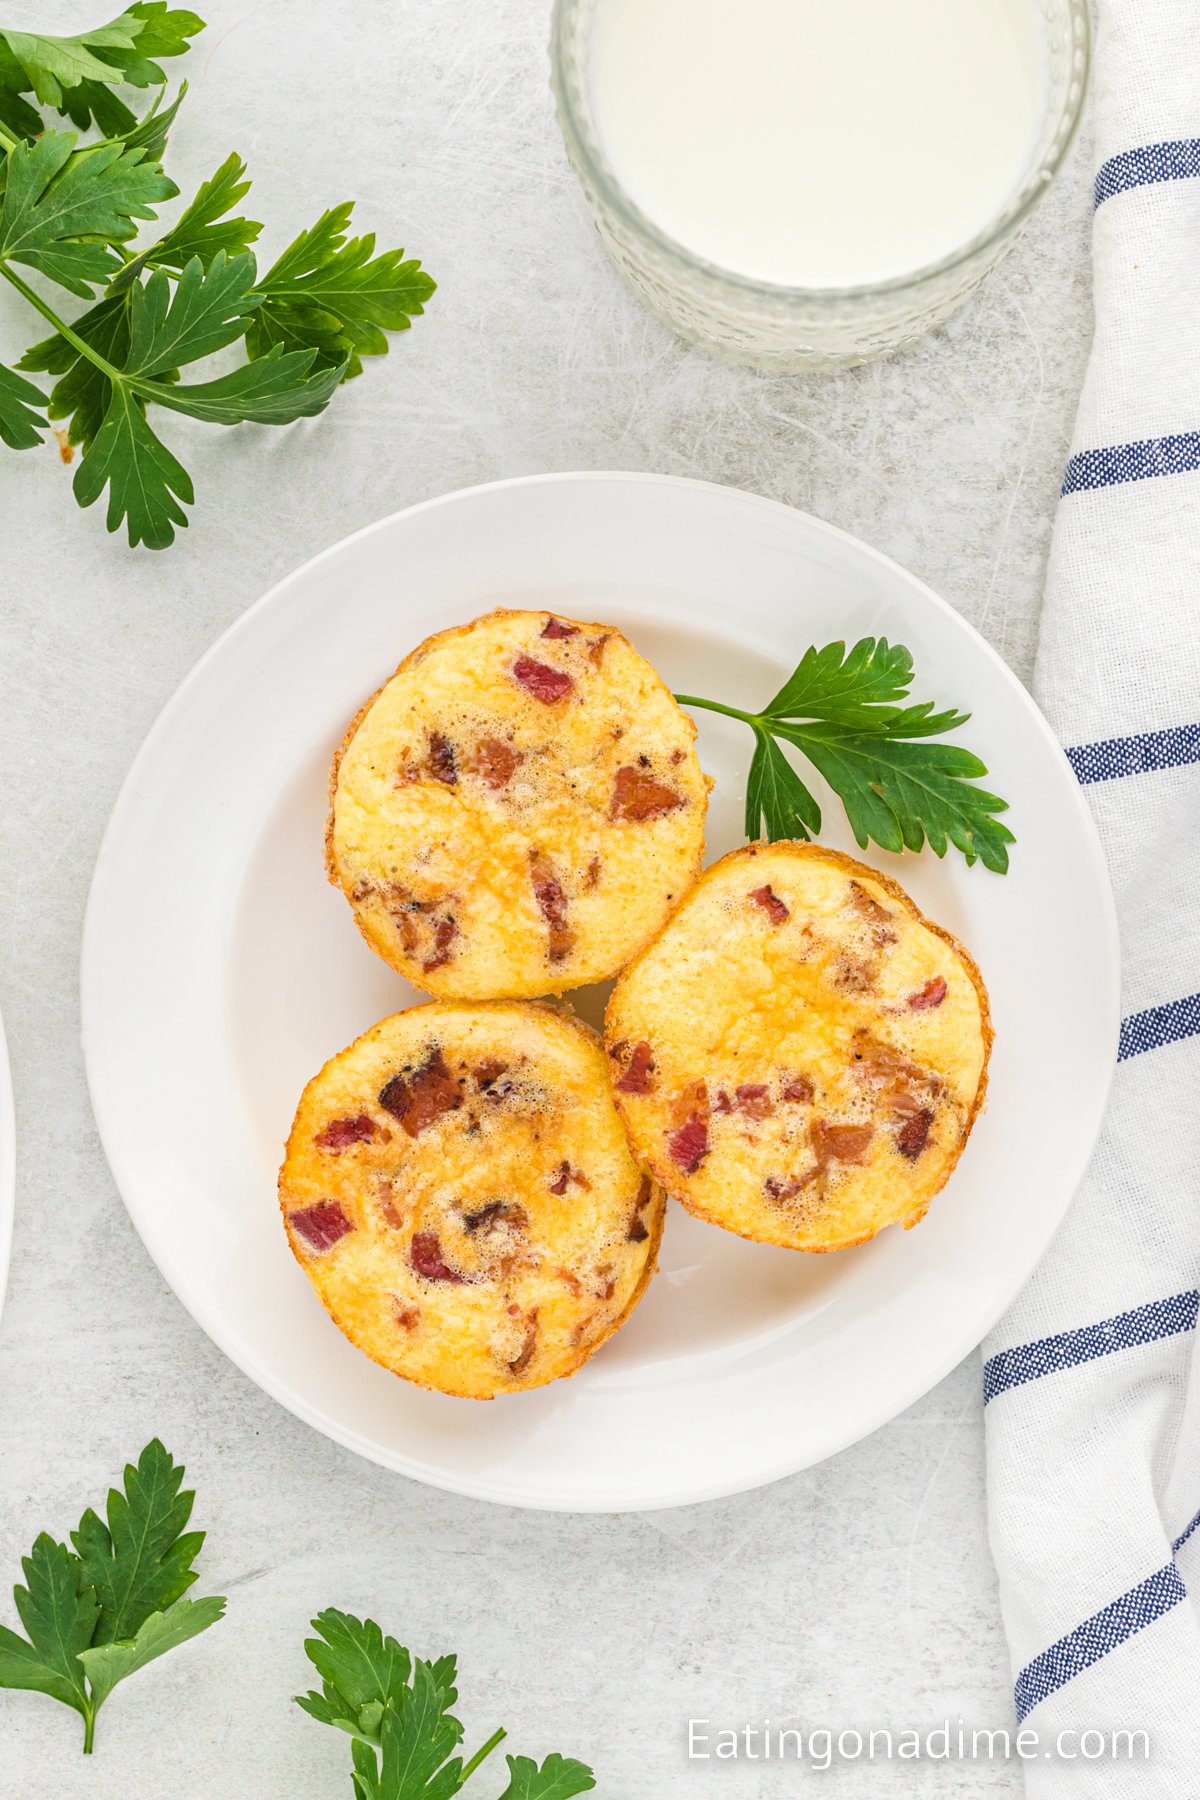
{"x": 459, "y": 1190}
{"x": 800, "y": 1055}
{"x": 518, "y": 810}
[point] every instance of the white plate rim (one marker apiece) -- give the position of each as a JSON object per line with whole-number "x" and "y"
{"x": 127, "y": 1184}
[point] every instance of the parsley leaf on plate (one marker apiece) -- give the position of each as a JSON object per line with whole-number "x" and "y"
{"x": 857, "y": 688}
{"x": 776, "y": 794}
{"x": 903, "y": 793}
{"x": 848, "y": 712}
{"x": 99, "y": 1612}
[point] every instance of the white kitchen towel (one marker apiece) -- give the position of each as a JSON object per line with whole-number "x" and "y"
{"x": 1091, "y": 1382}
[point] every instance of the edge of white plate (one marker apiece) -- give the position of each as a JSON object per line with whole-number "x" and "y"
{"x": 481, "y": 1489}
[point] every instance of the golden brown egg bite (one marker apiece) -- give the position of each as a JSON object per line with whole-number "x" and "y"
{"x": 518, "y": 810}
{"x": 800, "y": 1055}
{"x": 459, "y": 1190}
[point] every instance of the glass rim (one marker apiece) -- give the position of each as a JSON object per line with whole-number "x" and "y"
{"x": 585, "y": 145}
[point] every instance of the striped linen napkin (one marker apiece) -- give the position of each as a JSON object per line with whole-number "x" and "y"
{"x": 1091, "y": 1382}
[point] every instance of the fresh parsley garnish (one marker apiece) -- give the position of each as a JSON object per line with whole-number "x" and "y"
{"x": 104, "y": 1609}
{"x": 396, "y": 1709}
{"x": 75, "y": 75}
{"x": 842, "y": 709}
{"x": 70, "y": 212}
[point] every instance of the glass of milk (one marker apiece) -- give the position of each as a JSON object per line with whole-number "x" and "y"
{"x": 809, "y": 183}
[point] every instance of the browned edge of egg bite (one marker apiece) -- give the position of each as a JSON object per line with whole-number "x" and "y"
{"x": 660, "y": 1167}
{"x": 652, "y": 1208}
{"x": 347, "y": 738}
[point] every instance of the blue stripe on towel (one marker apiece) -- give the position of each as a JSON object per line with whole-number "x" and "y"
{"x": 1133, "y": 462}
{"x": 1173, "y": 161}
{"x": 1096, "y": 1637}
{"x": 1185, "y": 1534}
{"x": 1142, "y": 754}
{"x": 1159, "y": 1025}
{"x": 1066, "y": 1349}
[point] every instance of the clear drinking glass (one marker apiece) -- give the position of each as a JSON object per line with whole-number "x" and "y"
{"x": 792, "y": 328}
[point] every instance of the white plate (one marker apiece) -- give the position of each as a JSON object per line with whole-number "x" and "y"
{"x": 8, "y": 1163}
{"x": 220, "y": 970}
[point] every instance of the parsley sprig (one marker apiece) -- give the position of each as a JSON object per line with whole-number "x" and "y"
{"x": 113, "y": 1602}
{"x": 104, "y": 1609}
{"x": 396, "y": 1708}
{"x": 842, "y": 710}
{"x": 70, "y": 214}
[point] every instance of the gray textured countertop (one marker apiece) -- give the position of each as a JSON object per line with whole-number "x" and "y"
{"x": 859, "y": 1593}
